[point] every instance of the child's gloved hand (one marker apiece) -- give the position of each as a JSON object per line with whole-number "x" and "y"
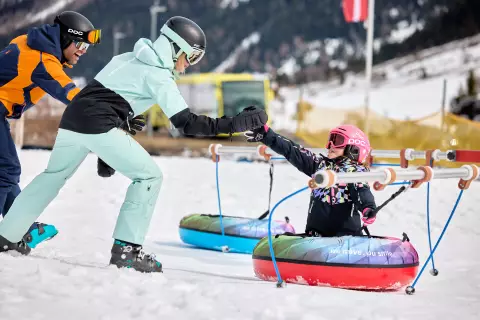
{"x": 256, "y": 135}
{"x": 368, "y": 216}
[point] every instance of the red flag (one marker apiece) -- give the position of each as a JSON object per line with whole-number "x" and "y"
{"x": 355, "y": 10}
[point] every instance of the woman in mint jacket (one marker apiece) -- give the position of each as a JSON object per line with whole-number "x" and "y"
{"x": 101, "y": 119}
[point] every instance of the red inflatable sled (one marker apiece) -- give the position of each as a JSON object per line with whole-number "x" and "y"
{"x": 363, "y": 263}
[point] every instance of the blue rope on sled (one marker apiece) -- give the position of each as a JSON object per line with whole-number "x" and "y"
{"x": 218, "y": 197}
{"x": 272, "y": 254}
{"x": 434, "y": 270}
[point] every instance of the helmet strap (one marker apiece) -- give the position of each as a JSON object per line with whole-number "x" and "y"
{"x": 351, "y": 152}
{"x": 179, "y": 53}
{"x": 65, "y": 42}
{"x": 176, "y": 51}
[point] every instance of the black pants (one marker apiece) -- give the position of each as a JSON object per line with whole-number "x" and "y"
{"x": 9, "y": 167}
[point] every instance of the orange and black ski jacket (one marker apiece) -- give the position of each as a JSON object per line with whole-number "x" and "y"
{"x": 30, "y": 66}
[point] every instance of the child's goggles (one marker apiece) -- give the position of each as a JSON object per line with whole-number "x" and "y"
{"x": 337, "y": 140}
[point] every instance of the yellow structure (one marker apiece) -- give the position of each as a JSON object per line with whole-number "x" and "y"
{"x": 219, "y": 94}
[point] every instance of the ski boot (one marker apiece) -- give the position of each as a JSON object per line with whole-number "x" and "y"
{"x": 129, "y": 255}
{"x": 20, "y": 246}
{"x": 38, "y": 233}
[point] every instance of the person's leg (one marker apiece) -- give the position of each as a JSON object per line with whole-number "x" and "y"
{"x": 4, "y": 192}
{"x": 120, "y": 151}
{"x": 14, "y": 192}
{"x": 67, "y": 154}
{"x": 38, "y": 232}
{"x": 125, "y": 155}
{"x": 9, "y": 164}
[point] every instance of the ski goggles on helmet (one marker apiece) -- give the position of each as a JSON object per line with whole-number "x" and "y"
{"x": 90, "y": 37}
{"x": 195, "y": 56}
{"x": 337, "y": 140}
{"x": 94, "y": 36}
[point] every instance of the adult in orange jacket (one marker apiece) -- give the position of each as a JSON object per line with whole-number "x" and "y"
{"x": 31, "y": 66}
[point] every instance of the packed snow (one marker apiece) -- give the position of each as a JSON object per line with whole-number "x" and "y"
{"x": 68, "y": 277}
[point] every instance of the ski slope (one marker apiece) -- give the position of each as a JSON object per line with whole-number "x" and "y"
{"x": 68, "y": 277}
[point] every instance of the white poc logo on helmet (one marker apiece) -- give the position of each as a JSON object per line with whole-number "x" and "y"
{"x": 80, "y": 33}
{"x": 357, "y": 142}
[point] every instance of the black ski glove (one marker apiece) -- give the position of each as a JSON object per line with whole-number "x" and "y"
{"x": 133, "y": 125}
{"x": 256, "y": 135}
{"x": 104, "y": 170}
{"x": 250, "y": 118}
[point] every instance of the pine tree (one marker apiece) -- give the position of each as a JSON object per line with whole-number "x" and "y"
{"x": 461, "y": 92}
{"x": 471, "y": 84}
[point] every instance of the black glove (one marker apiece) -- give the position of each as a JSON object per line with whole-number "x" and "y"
{"x": 134, "y": 125}
{"x": 250, "y": 118}
{"x": 104, "y": 170}
{"x": 256, "y": 135}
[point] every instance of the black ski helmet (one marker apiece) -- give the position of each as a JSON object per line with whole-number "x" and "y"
{"x": 185, "y": 36}
{"x": 76, "y": 27}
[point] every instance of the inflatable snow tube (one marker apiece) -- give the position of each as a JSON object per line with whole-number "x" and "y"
{"x": 363, "y": 263}
{"x": 241, "y": 235}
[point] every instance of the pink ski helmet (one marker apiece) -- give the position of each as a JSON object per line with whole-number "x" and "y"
{"x": 352, "y": 139}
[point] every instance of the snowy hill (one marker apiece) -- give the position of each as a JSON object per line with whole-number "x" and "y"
{"x": 228, "y": 24}
{"x": 407, "y": 87}
{"x": 68, "y": 277}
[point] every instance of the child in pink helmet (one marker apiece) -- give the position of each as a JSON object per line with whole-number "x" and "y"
{"x": 335, "y": 211}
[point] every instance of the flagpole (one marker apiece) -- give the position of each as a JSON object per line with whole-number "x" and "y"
{"x": 368, "y": 62}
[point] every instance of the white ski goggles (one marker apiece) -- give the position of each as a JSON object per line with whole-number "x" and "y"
{"x": 195, "y": 56}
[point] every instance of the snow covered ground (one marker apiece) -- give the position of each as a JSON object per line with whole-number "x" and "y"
{"x": 68, "y": 277}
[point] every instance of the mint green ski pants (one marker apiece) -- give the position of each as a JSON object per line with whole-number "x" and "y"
{"x": 120, "y": 151}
